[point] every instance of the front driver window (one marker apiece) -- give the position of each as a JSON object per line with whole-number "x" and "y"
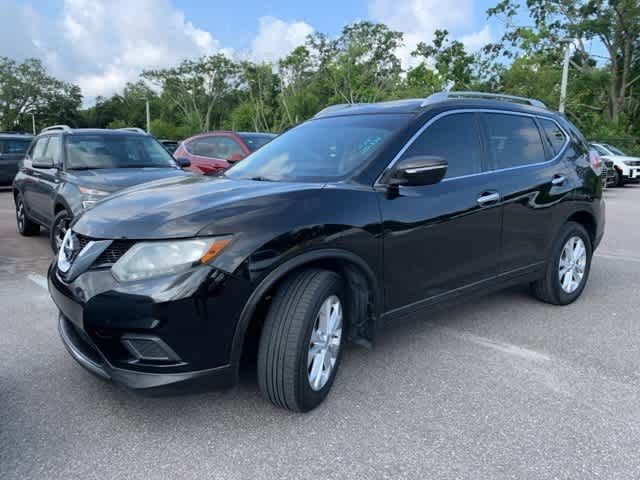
{"x": 454, "y": 138}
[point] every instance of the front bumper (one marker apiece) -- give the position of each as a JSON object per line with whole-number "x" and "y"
{"x": 191, "y": 317}
{"x": 88, "y": 356}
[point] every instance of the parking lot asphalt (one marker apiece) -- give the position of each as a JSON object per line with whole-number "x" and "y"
{"x": 498, "y": 387}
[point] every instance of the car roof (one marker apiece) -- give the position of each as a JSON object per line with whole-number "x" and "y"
{"x": 258, "y": 134}
{"x": 94, "y": 131}
{"x": 419, "y": 106}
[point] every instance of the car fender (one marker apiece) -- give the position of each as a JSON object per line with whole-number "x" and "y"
{"x": 282, "y": 270}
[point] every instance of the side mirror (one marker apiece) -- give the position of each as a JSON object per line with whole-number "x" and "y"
{"x": 183, "y": 162}
{"x": 42, "y": 162}
{"x": 420, "y": 170}
{"x": 235, "y": 157}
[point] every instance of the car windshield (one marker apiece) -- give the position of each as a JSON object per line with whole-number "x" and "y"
{"x": 89, "y": 151}
{"x": 615, "y": 150}
{"x": 320, "y": 150}
{"x": 254, "y": 141}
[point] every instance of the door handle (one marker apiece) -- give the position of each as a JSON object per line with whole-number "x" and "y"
{"x": 488, "y": 197}
{"x": 558, "y": 180}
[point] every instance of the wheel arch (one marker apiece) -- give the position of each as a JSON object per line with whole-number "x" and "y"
{"x": 361, "y": 281}
{"x": 588, "y": 220}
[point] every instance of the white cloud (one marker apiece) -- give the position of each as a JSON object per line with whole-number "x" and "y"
{"x": 419, "y": 19}
{"x": 476, "y": 40}
{"x": 276, "y": 38}
{"x": 102, "y": 44}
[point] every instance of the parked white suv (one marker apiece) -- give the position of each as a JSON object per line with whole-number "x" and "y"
{"x": 627, "y": 168}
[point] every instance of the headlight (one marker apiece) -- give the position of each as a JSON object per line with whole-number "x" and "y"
{"x": 151, "y": 259}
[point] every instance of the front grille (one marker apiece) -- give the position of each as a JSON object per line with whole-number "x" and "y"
{"x": 113, "y": 253}
{"x": 82, "y": 240}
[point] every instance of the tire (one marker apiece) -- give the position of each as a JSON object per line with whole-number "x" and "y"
{"x": 26, "y": 227}
{"x": 285, "y": 362}
{"x": 619, "y": 179}
{"x": 550, "y": 289}
{"x": 58, "y": 229}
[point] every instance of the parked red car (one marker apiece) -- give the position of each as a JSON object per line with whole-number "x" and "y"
{"x": 214, "y": 152}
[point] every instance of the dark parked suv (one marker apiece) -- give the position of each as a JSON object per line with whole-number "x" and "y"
{"x": 66, "y": 171}
{"x": 352, "y": 220}
{"x": 13, "y": 147}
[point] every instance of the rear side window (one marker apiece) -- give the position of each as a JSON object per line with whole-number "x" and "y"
{"x": 554, "y": 134}
{"x": 454, "y": 138}
{"x": 513, "y": 140}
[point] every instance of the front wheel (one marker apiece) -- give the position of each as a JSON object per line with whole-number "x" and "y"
{"x": 59, "y": 229}
{"x": 26, "y": 227}
{"x": 301, "y": 343}
{"x": 568, "y": 267}
{"x": 619, "y": 179}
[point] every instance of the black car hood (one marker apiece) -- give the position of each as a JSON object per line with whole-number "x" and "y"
{"x": 114, "y": 179}
{"x": 188, "y": 206}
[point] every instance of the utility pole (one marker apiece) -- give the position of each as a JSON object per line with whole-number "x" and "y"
{"x": 148, "y": 118}
{"x": 565, "y": 75}
{"x": 33, "y": 123}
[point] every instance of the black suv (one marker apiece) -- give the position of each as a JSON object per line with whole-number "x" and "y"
{"x": 13, "y": 147}
{"x": 354, "y": 219}
{"x": 66, "y": 171}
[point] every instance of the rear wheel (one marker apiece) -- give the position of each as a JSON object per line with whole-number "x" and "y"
{"x": 568, "y": 267}
{"x": 59, "y": 229}
{"x": 26, "y": 227}
{"x": 301, "y": 343}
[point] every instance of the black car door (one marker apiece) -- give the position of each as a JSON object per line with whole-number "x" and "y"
{"x": 531, "y": 182}
{"x": 442, "y": 237}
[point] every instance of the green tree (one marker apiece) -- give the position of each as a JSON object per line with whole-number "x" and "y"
{"x": 26, "y": 88}
{"x": 450, "y": 60}
{"x": 198, "y": 88}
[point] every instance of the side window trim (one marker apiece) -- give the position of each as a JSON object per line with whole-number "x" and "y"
{"x": 431, "y": 121}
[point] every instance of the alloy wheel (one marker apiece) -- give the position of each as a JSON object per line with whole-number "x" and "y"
{"x": 20, "y": 216}
{"x": 324, "y": 346}
{"x": 572, "y": 265}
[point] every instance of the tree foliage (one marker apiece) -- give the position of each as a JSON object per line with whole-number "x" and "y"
{"x": 361, "y": 64}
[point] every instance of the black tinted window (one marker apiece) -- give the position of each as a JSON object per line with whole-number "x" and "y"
{"x": 514, "y": 140}
{"x": 556, "y": 136}
{"x": 17, "y": 146}
{"x": 453, "y": 138}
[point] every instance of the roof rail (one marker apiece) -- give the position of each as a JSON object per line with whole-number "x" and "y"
{"x": 56, "y": 127}
{"x": 132, "y": 129}
{"x": 441, "y": 96}
{"x": 337, "y": 106}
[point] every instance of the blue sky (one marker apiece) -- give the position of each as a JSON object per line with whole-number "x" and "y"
{"x": 102, "y": 44}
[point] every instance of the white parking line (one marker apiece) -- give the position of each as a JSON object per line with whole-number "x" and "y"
{"x": 624, "y": 258}
{"x": 503, "y": 347}
{"x": 38, "y": 279}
